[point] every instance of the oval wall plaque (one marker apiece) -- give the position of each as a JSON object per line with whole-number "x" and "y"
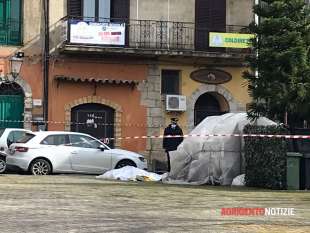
{"x": 210, "y": 76}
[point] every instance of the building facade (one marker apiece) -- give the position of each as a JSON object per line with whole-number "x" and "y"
{"x": 122, "y": 68}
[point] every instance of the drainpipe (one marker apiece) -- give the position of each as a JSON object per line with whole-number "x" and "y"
{"x": 45, "y": 62}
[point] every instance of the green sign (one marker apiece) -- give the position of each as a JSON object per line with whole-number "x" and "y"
{"x": 230, "y": 40}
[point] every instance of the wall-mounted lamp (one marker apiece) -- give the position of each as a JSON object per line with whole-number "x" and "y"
{"x": 15, "y": 65}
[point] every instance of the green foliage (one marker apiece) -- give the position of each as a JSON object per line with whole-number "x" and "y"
{"x": 282, "y": 59}
{"x": 265, "y": 158}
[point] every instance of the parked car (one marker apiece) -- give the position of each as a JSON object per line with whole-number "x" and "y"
{"x": 46, "y": 152}
{"x": 7, "y": 137}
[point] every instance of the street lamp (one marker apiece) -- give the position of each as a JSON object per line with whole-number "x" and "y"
{"x": 15, "y": 66}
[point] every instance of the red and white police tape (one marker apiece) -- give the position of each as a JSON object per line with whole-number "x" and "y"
{"x": 168, "y": 136}
{"x": 213, "y": 135}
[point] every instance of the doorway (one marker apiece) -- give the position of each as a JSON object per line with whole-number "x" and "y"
{"x": 209, "y": 104}
{"x": 11, "y": 105}
{"x": 94, "y": 119}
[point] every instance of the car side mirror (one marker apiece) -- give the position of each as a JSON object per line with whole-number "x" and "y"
{"x": 102, "y": 147}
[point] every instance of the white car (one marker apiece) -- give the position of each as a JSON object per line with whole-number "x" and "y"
{"x": 7, "y": 137}
{"x": 47, "y": 152}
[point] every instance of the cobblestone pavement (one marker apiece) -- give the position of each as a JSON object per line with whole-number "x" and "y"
{"x": 76, "y": 203}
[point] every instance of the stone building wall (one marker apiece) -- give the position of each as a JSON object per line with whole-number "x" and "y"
{"x": 151, "y": 98}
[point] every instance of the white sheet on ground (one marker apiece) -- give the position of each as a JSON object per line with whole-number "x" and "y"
{"x": 239, "y": 180}
{"x": 211, "y": 160}
{"x": 130, "y": 173}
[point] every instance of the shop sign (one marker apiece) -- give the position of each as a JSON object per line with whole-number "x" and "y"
{"x": 210, "y": 76}
{"x": 230, "y": 40}
{"x": 97, "y": 33}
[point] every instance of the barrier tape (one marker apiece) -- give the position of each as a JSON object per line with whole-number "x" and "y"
{"x": 212, "y": 135}
{"x": 85, "y": 123}
{"x": 107, "y": 140}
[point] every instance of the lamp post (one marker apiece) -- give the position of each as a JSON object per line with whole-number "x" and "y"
{"x": 15, "y": 66}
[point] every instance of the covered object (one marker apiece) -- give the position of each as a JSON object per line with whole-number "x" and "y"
{"x": 213, "y": 159}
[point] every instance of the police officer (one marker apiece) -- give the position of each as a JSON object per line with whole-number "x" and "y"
{"x": 171, "y": 143}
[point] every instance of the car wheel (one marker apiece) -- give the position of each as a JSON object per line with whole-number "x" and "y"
{"x": 2, "y": 165}
{"x": 40, "y": 167}
{"x": 124, "y": 163}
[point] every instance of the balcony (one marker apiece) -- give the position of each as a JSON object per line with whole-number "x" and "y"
{"x": 10, "y": 32}
{"x": 147, "y": 38}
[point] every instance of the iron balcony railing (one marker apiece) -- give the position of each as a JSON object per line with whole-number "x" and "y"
{"x": 10, "y": 32}
{"x": 151, "y": 34}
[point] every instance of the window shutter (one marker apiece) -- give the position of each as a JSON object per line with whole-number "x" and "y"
{"x": 75, "y": 8}
{"x": 14, "y": 19}
{"x": 120, "y": 13}
{"x": 10, "y": 22}
{"x": 216, "y": 15}
{"x": 120, "y": 9}
{"x": 210, "y": 16}
{"x": 2, "y": 9}
{"x": 170, "y": 82}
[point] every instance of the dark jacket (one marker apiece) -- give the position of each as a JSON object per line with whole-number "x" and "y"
{"x": 170, "y": 144}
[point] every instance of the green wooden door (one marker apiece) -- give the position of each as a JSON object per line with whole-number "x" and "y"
{"x": 11, "y": 111}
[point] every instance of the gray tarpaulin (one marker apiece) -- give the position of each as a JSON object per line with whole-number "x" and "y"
{"x": 209, "y": 159}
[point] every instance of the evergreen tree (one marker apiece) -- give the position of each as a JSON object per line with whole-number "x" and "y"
{"x": 279, "y": 69}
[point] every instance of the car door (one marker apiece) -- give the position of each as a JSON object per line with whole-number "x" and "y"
{"x": 55, "y": 148}
{"x": 87, "y": 156}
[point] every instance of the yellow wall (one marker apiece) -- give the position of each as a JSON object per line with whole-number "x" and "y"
{"x": 237, "y": 87}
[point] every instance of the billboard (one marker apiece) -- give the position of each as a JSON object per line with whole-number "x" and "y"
{"x": 82, "y": 32}
{"x": 230, "y": 40}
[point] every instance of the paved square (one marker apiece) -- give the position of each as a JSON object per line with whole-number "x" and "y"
{"x": 77, "y": 203}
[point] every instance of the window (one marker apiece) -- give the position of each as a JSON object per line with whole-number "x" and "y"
{"x": 15, "y": 136}
{"x": 56, "y": 140}
{"x": 96, "y": 9}
{"x": 83, "y": 141}
{"x": 170, "y": 82}
{"x": 26, "y": 138}
{"x": 10, "y": 22}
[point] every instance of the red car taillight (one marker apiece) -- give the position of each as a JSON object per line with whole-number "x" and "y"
{"x": 21, "y": 149}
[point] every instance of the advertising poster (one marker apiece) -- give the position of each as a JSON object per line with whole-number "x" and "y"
{"x": 97, "y": 33}
{"x": 230, "y": 40}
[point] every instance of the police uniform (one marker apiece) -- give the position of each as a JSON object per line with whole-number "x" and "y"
{"x": 171, "y": 143}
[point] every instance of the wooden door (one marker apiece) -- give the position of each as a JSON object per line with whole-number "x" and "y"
{"x": 96, "y": 120}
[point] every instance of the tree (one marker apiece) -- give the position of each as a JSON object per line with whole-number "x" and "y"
{"x": 279, "y": 71}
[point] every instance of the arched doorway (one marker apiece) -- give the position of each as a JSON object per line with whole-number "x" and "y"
{"x": 209, "y": 104}
{"x": 11, "y": 105}
{"x": 94, "y": 119}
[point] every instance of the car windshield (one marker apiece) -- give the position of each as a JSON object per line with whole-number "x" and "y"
{"x": 26, "y": 138}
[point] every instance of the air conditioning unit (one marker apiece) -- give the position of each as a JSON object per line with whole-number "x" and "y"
{"x": 175, "y": 103}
